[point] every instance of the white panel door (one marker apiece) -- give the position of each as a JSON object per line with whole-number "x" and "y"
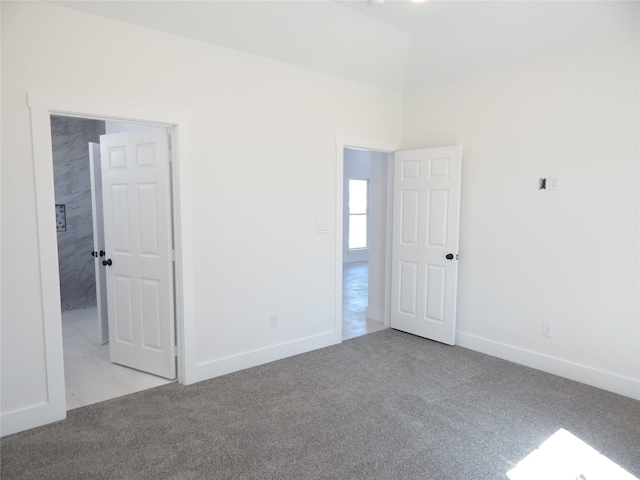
{"x": 98, "y": 241}
{"x": 138, "y": 242}
{"x": 426, "y": 215}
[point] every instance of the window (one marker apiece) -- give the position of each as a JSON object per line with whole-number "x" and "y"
{"x": 358, "y": 211}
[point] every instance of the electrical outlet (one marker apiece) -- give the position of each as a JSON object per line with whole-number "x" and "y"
{"x": 273, "y": 321}
{"x": 552, "y": 183}
{"x": 547, "y": 329}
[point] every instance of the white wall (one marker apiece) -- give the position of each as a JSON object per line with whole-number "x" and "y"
{"x": 256, "y": 125}
{"x": 569, "y": 257}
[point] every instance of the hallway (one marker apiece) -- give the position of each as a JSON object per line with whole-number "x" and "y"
{"x": 355, "y": 286}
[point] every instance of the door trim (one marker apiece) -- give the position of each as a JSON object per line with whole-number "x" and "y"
{"x": 42, "y": 106}
{"x": 98, "y": 227}
{"x": 343, "y": 142}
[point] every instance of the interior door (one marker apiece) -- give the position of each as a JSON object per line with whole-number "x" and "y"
{"x": 138, "y": 241}
{"x": 98, "y": 241}
{"x": 426, "y": 216}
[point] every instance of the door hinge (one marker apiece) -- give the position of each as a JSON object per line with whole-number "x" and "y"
{"x": 173, "y": 255}
{"x": 175, "y": 350}
{"x": 170, "y": 156}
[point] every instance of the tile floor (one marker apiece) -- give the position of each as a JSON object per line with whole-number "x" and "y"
{"x": 90, "y": 376}
{"x": 355, "y": 287}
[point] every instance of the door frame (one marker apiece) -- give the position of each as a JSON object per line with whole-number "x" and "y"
{"x": 97, "y": 221}
{"x": 42, "y": 106}
{"x": 343, "y": 142}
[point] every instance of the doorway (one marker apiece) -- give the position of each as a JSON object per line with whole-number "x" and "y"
{"x": 364, "y": 214}
{"x": 90, "y": 375}
{"x": 42, "y": 106}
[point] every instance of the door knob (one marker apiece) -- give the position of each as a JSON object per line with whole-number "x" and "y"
{"x": 449, "y": 256}
{"x": 101, "y": 253}
{"x": 107, "y": 262}
{"x": 94, "y": 254}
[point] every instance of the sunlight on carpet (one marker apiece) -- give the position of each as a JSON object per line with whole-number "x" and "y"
{"x": 563, "y": 456}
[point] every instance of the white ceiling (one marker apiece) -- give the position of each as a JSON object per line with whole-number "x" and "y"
{"x": 399, "y": 45}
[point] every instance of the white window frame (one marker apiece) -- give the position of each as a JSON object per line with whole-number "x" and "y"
{"x": 349, "y": 214}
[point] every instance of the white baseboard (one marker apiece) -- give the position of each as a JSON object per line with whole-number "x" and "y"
{"x": 626, "y": 386}
{"x": 30, "y": 417}
{"x": 376, "y": 314}
{"x": 223, "y": 366}
{"x": 44, "y": 413}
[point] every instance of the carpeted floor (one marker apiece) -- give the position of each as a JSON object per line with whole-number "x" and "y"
{"x": 383, "y": 406}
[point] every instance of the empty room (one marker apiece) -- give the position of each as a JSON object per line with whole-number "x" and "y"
{"x": 501, "y": 235}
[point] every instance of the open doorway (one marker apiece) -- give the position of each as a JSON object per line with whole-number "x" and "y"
{"x": 364, "y": 245}
{"x": 90, "y": 376}
{"x": 42, "y": 106}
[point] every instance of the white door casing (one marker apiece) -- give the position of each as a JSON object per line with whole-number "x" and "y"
{"x": 51, "y": 405}
{"x": 426, "y": 216}
{"x": 138, "y": 243}
{"x": 98, "y": 241}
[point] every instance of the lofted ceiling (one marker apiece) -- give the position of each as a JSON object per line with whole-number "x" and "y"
{"x": 399, "y": 45}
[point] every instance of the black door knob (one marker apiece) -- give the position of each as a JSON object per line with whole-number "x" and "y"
{"x": 101, "y": 253}
{"x": 107, "y": 262}
{"x": 94, "y": 254}
{"x": 449, "y": 256}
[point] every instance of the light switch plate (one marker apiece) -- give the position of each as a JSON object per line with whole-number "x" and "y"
{"x": 322, "y": 227}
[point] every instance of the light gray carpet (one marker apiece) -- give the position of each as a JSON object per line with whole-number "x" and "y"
{"x": 383, "y": 406}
